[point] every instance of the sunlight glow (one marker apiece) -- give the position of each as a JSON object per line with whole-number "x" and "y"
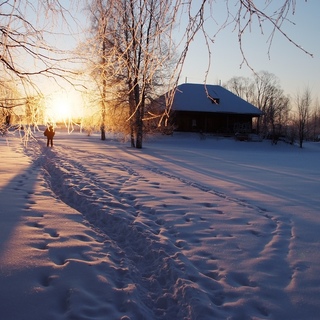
{"x": 64, "y": 107}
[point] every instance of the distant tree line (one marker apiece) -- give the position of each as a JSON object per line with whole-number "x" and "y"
{"x": 291, "y": 118}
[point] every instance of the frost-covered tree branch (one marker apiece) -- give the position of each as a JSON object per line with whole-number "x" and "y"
{"x": 26, "y": 28}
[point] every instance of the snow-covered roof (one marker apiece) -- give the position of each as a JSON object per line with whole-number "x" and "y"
{"x": 193, "y": 97}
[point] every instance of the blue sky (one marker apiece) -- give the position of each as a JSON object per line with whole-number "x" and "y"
{"x": 295, "y": 69}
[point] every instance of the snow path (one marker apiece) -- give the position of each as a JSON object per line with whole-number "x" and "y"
{"x": 151, "y": 263}
{"x": 173, "y": 232}
{"x": 53, "y": 266}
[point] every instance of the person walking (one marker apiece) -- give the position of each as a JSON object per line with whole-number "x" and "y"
{"x": 49, "y": 133}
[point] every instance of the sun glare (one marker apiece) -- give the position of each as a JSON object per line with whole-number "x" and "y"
{"x": 63, "y": 107}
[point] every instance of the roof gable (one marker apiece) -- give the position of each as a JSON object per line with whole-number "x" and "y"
{"x": 194, "y": 97}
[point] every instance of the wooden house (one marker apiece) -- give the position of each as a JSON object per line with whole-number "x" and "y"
{"x": 211, "y": 109}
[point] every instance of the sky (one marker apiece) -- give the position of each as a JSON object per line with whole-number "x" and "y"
{"x": 295, "y": 69}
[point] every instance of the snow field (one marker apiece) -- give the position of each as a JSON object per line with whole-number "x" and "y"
{"x": 184, "y": 229}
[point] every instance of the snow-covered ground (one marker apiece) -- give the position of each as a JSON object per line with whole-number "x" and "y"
{"x": 183, "y": 229}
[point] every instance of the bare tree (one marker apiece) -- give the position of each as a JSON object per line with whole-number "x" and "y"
{"x": 10, "y": 101}
{"x": 132, "y": 53}
{"x": 34, "y": 110}
{"x": 277, "y": 115}
{"x": 315, "y": 121}
{"x": 270, "y": 99}
{"x": 242, "y": 87}
{"x": 103, "y": 61}
{"x": 26, "y": 58}
{"x": 264, "y": 91}
{"x": 23, "y": 35}
{"x": 303, "y": 104}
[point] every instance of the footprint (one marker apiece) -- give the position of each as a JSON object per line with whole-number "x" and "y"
{"x": 208, "y": 205}
{"x": 301, "y": 266}
{"x": 31, "y": 202}
{"x": 255, "y": 233}
{"x": 53, "y": 233}
{"x": 45, "y": 281}
{"x": 59, "y": 260}
{"x": 217, "y": 211}
{"x": 38, "y": 225}
{"x": 213, "y": 275}
{"x": 34, "y": 224}
{"x": 218, "y": 298}
{"x": 160, "y": 222}
{"x": 239, "y": 279}
{"x": 179, "y": 244}
{"x": 41, "y": 246}
{"x": 263, "y": 310}
{"x": 82, "y": 237}
{"x": 171, "y": 191}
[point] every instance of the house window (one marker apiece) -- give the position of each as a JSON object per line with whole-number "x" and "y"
{"x": 214, "y": 100}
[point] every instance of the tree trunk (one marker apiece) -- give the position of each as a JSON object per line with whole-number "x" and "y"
{"x": 133, "y": 145}
{"x": 103, "y": 116}
{"x": 139, "y": 128}
{"x": 103, "y": 133}
{"x": 140, "y": 115}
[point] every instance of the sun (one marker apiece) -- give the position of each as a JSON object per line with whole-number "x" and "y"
{"x": 60, "y": 107}
{"x": 63, "y": 106}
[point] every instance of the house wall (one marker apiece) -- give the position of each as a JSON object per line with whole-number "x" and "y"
{"x": 211, "y": 122}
